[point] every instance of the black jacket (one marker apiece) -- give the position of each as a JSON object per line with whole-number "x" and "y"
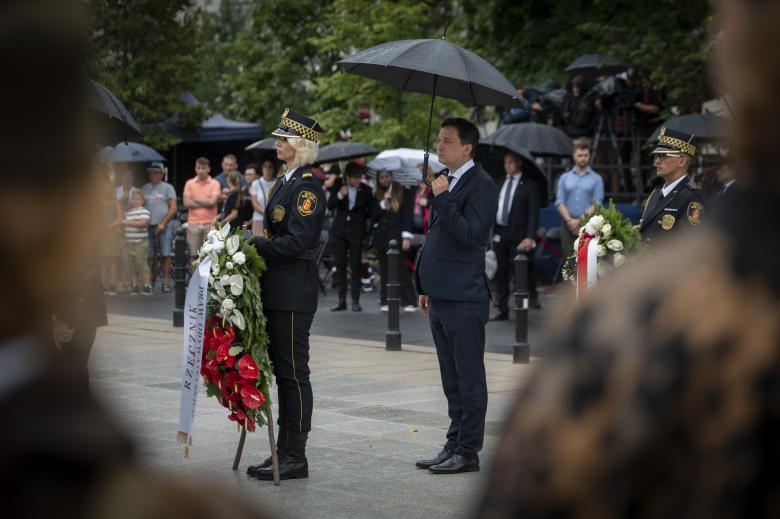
{"x": 681, "y": 208}
{"x": 350, "y": 223}
{"x": 451, "y": 264}
{"x": 389, "y": 225}
{"x": 293, "y": 220}
{"x": 523, "y": 219}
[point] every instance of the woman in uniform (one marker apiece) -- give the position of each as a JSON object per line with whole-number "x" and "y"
{"x": 293, "y": 221}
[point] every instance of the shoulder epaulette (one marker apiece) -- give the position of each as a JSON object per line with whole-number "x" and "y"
{"x": 306, "y": 175}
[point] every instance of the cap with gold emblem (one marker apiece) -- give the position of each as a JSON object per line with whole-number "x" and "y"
{"x": 294, "y": 124}
{"x": 672, "y": 142}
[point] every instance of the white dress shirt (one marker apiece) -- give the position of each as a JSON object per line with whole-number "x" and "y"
{"x": 511, "y": 182}
{"x": 668, "y": 189}
{"x": 459, "y": 173}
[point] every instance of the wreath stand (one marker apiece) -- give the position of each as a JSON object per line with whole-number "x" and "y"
{"x": 274, "y": 457}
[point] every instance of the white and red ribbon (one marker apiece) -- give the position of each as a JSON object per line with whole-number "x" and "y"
{"x": 587, "y": 260}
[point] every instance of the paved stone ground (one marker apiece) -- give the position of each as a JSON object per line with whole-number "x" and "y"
{"x": 375, "y": 412}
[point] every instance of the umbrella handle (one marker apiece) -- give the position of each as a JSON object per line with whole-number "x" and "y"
{"x": 428, "y": 136}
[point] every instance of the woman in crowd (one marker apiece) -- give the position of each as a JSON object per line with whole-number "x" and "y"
{"x": 392, "y": 217}
{"x": 231, "y": 212}
{"x": 261, "y": 192}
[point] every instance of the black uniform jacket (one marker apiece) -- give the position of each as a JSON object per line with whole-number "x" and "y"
{"x": 389, "y": 225}
{"x": 355, "y": 226}
{"x": 293, "y": 221}
{"x": 683, "y": 207}
{"x": 523, "y": 219}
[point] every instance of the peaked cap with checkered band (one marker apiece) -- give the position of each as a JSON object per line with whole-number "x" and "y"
{"x": 672, "y": 142}
{"x": 294, "y": 124}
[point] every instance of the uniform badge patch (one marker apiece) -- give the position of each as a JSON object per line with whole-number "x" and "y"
{"x": 694, "y": 212}
{"x": 277, "y": 214}
{"x": 307, "y": 203}
{"x": 667, "y": 222}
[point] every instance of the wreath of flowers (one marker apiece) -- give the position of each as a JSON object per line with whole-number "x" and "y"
{"x": 236, "y": 368}
{"x": 618, "y": 242}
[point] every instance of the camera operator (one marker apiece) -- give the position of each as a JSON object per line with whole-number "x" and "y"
{"x": 579, "y": 110}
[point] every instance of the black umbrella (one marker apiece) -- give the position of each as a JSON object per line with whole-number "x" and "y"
{"x": 538, "y": 139}
{"x": 344, "y": 151}
{"x": 435, "y": 67}
{"x": 117, "y": 122}
{"x": 597, "y": 65}
{"x": 131, "y": 152}
{"x": 491, "y": 157}
{"x": 705, "y": 128}
{"x": 268, "y": 144}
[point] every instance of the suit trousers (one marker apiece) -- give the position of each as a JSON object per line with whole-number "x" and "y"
{"x": 348, "y": 250}
{"x": 506, "y": 250}
{"x": 458, "y": 329}
{"x": 288, "y": 333}
{"x": 408, "y": 297}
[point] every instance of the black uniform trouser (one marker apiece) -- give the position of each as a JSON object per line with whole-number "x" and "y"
{"x": 352, "y": 246}
{"x": 404, "y": 279}
{"x": 458, "y": 329}
{"x": 288, "y": 333}
{"x": 506, "y": 250}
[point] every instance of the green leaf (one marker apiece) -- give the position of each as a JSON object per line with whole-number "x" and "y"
{"x": 235, "y": 350}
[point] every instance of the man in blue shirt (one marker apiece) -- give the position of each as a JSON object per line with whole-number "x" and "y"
{"x": 578, "y": 191}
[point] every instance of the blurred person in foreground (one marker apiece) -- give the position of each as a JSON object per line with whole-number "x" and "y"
{"x": 60, "y": 456}
{"x": 662, "y": 397}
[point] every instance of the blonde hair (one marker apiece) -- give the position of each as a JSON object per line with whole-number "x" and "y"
{"x": 396, "y": 191}
{"x": 305, "y": 151}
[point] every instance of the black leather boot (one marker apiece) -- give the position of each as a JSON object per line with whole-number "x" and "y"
{"x": 292, "y": 462}
{"x": 339, "y": 307}
{"x": 281, "y": 444}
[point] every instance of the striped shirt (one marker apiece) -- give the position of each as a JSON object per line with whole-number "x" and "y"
{"x": 137, "y": 234}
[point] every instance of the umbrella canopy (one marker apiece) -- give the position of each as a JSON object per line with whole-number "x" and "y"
{"x": 491, "y": 157}
{"x": 704, "y": 128}
{"x": 538, "y": 139}
{"x": 133, "y": 152}
{"x": 116, "y": 119}
{"x": 344, "y": 151}
{"x": 268, "y": 144}
{"x": 435, "y": 67}
{"x": 597, "y": 65}
{"x": 404, "y": 163}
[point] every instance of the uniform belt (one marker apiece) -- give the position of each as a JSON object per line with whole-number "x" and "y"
{"x": 305, "y": 255}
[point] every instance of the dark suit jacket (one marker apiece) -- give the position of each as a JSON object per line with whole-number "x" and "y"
{"x": 681, "y": 208}
{"x": 389, "y": 225}
{"x": 452, "y": 261}
{"x": 355, "y": 228}
{"x": 523, "y": 220}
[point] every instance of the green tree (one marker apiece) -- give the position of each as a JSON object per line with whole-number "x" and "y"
{"x": 145, "y": 51}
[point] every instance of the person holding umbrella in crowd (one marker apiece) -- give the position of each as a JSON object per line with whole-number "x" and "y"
{"x": 352, "y": 203}
{"x": 393, "y": 221}
{"x": 293, "y": 222}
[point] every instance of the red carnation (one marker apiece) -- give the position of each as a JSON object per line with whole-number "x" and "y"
{"x": 252, "y": 397}
{"x": 247, "y": 367}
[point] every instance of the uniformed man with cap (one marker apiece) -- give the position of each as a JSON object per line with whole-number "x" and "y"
{"x": 293, "y": 221}
{"x": 677, "y": 203}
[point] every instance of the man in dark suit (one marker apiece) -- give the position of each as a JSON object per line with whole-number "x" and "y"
{"x": 352, "y": 203}
{"x": 722, "y": 198}
{"x": 517, "y": 218}
{"x": 677, "y": 203}
{"x": 454, "y": 291}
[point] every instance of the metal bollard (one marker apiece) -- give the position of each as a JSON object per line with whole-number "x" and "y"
{"x": 521, "y": 350}
{"x": 180, "y": 268}
{"x": 393, "y": 337}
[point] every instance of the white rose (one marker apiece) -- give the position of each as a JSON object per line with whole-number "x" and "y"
{"x": 601, "y": 251}
{"x": 606, "y": 230}
{"x": 618, "y": 259}
{"x": 228, "y": 305}
{"x": 597, "y": 222}
{"x": 239, "y": 258}
{"x": 225, "y": 280}
{"x": 229, "y": 265}
{"x": 232, "y": 244}
{"x": 615, "y": 245}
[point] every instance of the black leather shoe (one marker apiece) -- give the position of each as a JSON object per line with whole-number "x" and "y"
{"x": 535, "y": 304}
{"x": 500, "y": 316}
{"x": 356, "y": 307}
{"x": 292, "y": 462}
{"x": 252, "y": 470}
{"x": 443, "y": 456}
{"x": 281, "y": 446}
{"x": 339, "y": 307}
{"x": 456, "y": 465}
